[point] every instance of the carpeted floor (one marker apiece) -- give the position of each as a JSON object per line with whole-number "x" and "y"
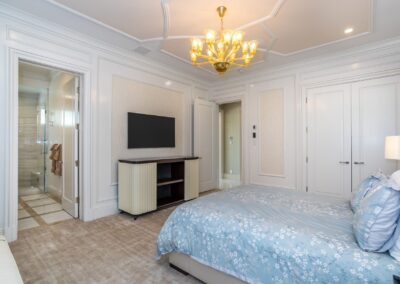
{"x": 114, "y": 250}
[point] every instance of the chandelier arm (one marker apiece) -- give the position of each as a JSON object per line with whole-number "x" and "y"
{"x": 201, "y": 63}
{"x": 203, "y": 56}
{"x": 210, "y": 60}
{"x": 233, "y": 50}
{"x": 213, "y": 51}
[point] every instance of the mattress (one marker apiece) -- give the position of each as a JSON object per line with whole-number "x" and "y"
{"x": 269, "y": 235}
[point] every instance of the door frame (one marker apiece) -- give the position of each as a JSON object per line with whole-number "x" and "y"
{"x": 243, "y": 155}
{"x": 14, "y": 56}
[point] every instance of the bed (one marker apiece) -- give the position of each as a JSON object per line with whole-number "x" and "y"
{"x": 260, "y": 234}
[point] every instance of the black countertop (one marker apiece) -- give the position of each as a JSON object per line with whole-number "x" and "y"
{"x": 158, "y": 160}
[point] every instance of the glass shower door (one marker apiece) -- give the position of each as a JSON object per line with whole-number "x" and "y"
{"x": 42, "y": 122}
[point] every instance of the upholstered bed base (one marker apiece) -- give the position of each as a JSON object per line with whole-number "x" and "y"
{"x": 185, "y": 264}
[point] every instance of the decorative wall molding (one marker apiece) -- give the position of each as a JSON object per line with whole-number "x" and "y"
{"x": 360, "y": 61}
{"x": 61, "y": 36}
{"x": 359, "y": 64}
{"x": 24, "y": 36}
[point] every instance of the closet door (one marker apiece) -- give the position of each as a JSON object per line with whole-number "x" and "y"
{"x": 329, "y": 140}
{"x": 375, "y": 114}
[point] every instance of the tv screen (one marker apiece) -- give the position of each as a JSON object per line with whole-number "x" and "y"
{"x": 150, "y": 131}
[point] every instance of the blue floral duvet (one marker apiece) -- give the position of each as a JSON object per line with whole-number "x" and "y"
{"x": 269, "y": 235}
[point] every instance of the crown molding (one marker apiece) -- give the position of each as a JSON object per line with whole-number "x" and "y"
{"x": 58, "y": 34}
{"x": 384, "y": 55}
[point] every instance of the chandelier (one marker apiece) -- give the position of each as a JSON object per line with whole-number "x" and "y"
{"x": 224, "y": 49}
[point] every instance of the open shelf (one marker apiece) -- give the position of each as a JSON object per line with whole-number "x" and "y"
{"x": 170, "y": 183}
{"x": 166, "y": 181}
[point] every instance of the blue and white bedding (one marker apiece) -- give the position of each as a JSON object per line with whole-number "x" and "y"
{"x": 270, "y": 235}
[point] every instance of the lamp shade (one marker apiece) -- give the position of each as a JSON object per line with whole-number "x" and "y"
{"x": 392, "y": 147}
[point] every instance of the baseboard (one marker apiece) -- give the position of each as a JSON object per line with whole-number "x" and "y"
{"x": 53, "y": 190}
{"x": 231, "y": 177}
{"x": 104, "y": 210}
{"x": 11, "y": 233}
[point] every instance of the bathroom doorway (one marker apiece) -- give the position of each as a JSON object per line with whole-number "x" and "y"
{"x": 230, "y": 134}
{"x": 48, "y": 145}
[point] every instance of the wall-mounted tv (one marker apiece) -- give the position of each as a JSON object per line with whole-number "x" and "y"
{"x": 150, "y": 131}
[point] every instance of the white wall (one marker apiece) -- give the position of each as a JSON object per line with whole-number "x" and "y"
{"x": 27, "y": 37}
{"x": 133, "y": 96}
{"x": 359, "y": 64}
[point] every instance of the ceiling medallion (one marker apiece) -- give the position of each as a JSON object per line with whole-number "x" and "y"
{"x": 224, "y": 49}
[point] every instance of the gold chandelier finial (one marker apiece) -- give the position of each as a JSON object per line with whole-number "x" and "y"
{"x": 221, "y": 11}
{"x": 222, "y": 48}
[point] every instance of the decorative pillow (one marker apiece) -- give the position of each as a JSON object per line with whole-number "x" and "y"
{"x": 376, "y": 218}
{"x": 395, "y": 249}
{"x": 363, "y": 189}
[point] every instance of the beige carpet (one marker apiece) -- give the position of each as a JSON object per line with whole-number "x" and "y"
{"x": 114, "y": 249}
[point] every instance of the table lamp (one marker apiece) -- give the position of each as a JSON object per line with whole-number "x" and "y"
{"x": 392, "y": 152}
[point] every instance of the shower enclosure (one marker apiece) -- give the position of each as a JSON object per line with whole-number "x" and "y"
{"x": 32, "y": 140}
{"x": 41, "y": 123}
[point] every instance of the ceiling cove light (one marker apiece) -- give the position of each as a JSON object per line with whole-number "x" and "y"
{"x": 348, "y": 30}
{"x": 223, "y": 49}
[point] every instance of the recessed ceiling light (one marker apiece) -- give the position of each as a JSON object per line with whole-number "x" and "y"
{"x": 168, "y": 83}
{"x": 251, "y": 85}
{"x": 348, "y": 31}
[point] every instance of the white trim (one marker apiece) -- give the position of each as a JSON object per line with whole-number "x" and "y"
{"x": 271, "y": 15}
{"x": 39, "y": 41}
{"x": 263, "y": 20}
{"x": 231, "y": 177}
{"x": 26, "y": 24}
{"x": 11, "y": 185}
{"x": 166, "y": 16}
{"x": 243, "y": 154}
{"x": 320, "y": 45}
{"x": 186, "y": 61}
{"x": 93, "y": 20}
{"x": 106, "y": 187}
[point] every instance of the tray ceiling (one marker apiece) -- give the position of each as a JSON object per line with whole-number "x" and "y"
{"x": 283, "y": 27}
{"x": 288, "y": 30}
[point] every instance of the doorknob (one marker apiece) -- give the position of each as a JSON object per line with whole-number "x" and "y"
{"x": 358, "y": 163}
{"x": 344, "y": 162}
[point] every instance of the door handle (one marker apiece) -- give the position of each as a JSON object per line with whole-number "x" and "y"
{"x": 358, "y": 163}
{"x": 344, "y": 162}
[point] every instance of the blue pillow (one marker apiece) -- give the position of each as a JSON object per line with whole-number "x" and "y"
{"x": 376, "y": 218}
{"x": 395, "y": 249}
{"x": 363, "y": 189}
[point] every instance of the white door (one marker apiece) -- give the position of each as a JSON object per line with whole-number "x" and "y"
{"x": 205, "y": 126}
{"x": 271, "y": 108}
{"x": 329, "y": 140}
{"x": 70, "y": 147}
{"x": 375, "y": 105}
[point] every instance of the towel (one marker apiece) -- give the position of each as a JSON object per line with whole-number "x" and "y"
{"x": 56, "y": 157}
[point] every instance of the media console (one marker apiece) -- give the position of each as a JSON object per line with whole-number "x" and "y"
{"x": 148, "y": 184}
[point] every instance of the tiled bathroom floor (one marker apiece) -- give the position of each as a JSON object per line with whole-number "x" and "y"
{"x": 39, "y": 209}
